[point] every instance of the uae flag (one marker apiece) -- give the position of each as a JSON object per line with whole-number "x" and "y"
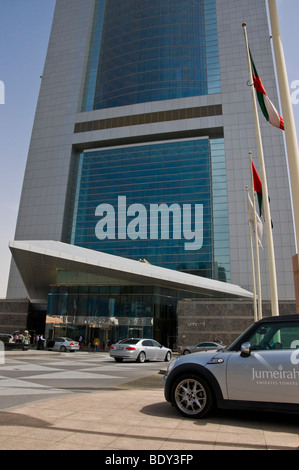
{"x": 255, "y": 220}
{"x": 267, "y": 107}
{"x": 257, "y": 186}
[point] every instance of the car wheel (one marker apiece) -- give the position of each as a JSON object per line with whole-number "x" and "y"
{"x": 118, "y": 359}
{"x": 62, "y": 348}
{"x": 141, "y": 357}
{"x": 168, "y": 356}
{"x": 192, "y": 396}
{"x": 186, "y": 351}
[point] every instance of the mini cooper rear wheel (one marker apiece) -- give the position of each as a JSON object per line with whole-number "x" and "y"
{"x": 192, "y": 396}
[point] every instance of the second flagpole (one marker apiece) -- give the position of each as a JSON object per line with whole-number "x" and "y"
{"x": 258, "y": 269}
{"x": 269, "y": 237}
{"x": 255, "y": 311}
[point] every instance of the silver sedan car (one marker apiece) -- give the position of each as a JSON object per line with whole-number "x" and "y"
{"x": 63, "y": 344}
{"x": 206, "y": 346}
{"x": 140, "y": 350}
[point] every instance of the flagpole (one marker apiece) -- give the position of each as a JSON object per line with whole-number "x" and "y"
{"x": 252, "y": 262}
{"x": 270, "y": 245}
{"x": 258, "y": 269}
{"x": 288, "y": 115}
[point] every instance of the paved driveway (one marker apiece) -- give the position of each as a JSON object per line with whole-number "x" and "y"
{"x": 134, "y": 416}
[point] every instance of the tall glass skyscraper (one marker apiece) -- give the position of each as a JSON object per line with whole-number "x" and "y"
{"x": 175, "y": 190}
{"x": 140, "y": 149}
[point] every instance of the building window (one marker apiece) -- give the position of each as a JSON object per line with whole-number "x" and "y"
{"x": 151, "y": 51}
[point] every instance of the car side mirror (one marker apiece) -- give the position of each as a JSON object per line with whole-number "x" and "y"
{"x": 245, "y": 349}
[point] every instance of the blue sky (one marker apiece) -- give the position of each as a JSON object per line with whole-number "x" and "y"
{"x": 24, "y": 33}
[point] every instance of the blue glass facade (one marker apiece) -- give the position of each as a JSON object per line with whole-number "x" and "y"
{"x": 165, "y": 202}
{"x": 151, "y": 50}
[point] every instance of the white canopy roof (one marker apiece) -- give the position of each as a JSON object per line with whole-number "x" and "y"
{"x": 39, "y": 261}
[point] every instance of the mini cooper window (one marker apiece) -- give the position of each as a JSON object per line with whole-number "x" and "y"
{"x": 275, "y": 336}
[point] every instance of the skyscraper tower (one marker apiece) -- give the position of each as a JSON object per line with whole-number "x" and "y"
{"x": 141, "y": 138}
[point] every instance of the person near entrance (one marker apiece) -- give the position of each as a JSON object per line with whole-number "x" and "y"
{"x": 96, "y": 344}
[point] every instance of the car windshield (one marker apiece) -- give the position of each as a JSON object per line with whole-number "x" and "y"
{"x": 232, "y": 346}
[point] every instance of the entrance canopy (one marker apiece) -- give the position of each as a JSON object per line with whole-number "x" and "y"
{"x": 40, "y": 261}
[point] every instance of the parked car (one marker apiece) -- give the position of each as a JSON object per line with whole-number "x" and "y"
{"x": 63, "y": 344}
{"x": 6, "y": 338}
{"x": 260, "y": 370}
{"x": 207, "y": 346}
{"x": 140, "y": 350}
{"x": 17, "y": 340}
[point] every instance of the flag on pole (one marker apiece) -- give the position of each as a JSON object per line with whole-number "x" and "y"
{"x": 255, "y": 220}
{"x": 268, "y": 109}
{"x": 257, "y": 186}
